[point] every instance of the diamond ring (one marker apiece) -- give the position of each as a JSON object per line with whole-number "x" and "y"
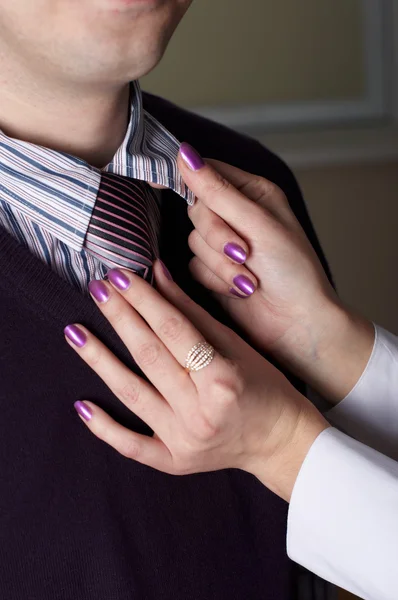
{"x": 199, "y": 357}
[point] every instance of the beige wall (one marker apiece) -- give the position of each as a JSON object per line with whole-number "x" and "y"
{"x": 355, "y": 212}
{"x": 229, "y": 52}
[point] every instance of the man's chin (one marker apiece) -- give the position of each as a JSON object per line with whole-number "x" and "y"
{"x": 125, "y": 8}
{"x": 125, "y": 47}
{"x": 119, "y": 70}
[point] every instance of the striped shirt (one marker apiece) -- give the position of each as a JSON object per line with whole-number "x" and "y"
{"x": 47, "y": 197}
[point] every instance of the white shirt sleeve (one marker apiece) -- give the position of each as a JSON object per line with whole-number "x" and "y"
{"x": 343, "y": 516}
{"x": 370, "y": 412}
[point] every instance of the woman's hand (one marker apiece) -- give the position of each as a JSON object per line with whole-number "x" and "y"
{"x": 237, "y": 412}
{"x": 252, "y": 252}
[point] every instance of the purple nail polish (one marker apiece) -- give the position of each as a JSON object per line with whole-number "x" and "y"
{"x": 75, "y": 335}
{"x": 244, "y": 284}
{"x": 194, "y": 161}
{"x": 166, "y": 271}
{"x": 99, "y": 290}
{"x": 119, "y": 279}
{"x": 83, "y": 410}
{"x": 235, "y": 253}
{"x": 235, "y": 293}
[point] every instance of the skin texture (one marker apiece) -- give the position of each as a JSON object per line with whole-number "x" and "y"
{"x": 237, "y": 412}
{"x": 88, "y": 42}
{"x": 294, "y": 314}
{"x": 65, "y": 66}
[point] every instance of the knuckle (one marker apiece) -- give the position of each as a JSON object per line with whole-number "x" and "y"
{"x": 93, "y": 356}
{"x": 171, "y": 328}
{"x": 130, "y": 449}
{"x": 271, "y": 196}
{"x": 226, "y": 390}
{"x": 200, "y": 428}
{"x": 203, "y": 430}
{"x": 118, "y": 317}
{"x": 254, "y": 187}
{"x": 117, "y": 311}
{"x": 135, "y": 295}
{"x": 130, "y": 393}
{"x": 218, "y": 185}
{"x": 148, "y": 354}
{"x": 266, "y": 186}
{"x": 138, "y": 299}
{"x": 260, "y": 190}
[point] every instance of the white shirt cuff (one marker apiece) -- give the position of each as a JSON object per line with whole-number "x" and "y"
{"x": 342, "y": 521}
{"x": 370, "y": 411}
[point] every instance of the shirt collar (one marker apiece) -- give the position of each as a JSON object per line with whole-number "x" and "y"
{"x": 58, "y": 191}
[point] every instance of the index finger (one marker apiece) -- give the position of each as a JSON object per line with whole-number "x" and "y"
{"x": 223, "y": 188}
{"x": 240, "y": 198}
{"x": 213, "y": 188}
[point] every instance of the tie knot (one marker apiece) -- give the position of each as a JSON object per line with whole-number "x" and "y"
{"x": 124, "y": 226}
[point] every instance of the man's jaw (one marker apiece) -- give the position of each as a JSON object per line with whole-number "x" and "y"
{"x": 133, "y": 6}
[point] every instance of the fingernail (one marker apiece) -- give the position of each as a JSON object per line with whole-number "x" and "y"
{"x": 166, "y": 271}
{"x": 99, "y": 290}
{"x": 235, "y": 253}
{"x": 194, "y": 161}
{"x": 83, "y": 410}
{"x": 119, "y": 279}
{"x": 244, "y": 284}
{"x": 75, "y": 335}
{"x": 235, "y": 293}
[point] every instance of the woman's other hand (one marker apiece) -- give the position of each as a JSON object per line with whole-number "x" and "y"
{"x": 236, "y": 412}
{"x": 252, "y": 252}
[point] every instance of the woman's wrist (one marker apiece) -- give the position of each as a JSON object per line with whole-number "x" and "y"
{"x": 331, "y": 352}
{"x": 296, "y": 434}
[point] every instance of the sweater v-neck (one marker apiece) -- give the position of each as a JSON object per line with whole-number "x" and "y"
{"x": 50, "y": 297}
{"x": 46, "y": 294}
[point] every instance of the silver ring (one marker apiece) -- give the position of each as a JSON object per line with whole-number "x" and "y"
{"x": 199, "y": 356}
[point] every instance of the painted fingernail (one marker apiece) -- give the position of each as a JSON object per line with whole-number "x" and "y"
{"x": 75, "y": 335}
{"x": 244, "y": 285}
{"x": 83, "y": 410}
{"x": 166, "y": 271}
{"x": 99, "y": 291}
{"x": 235, "y": 252}
{"x": 191, "y": 158}
{"x": 119, "y": 279}
{"x": 235, "y": 293}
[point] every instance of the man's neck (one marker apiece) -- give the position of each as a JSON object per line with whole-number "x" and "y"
{"x": 88, "y": 123}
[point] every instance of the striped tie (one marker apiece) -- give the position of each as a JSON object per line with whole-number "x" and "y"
{"x": 123, "y": 230}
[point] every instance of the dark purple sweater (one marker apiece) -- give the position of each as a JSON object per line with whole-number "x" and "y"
{"x": 80, "y": 522}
